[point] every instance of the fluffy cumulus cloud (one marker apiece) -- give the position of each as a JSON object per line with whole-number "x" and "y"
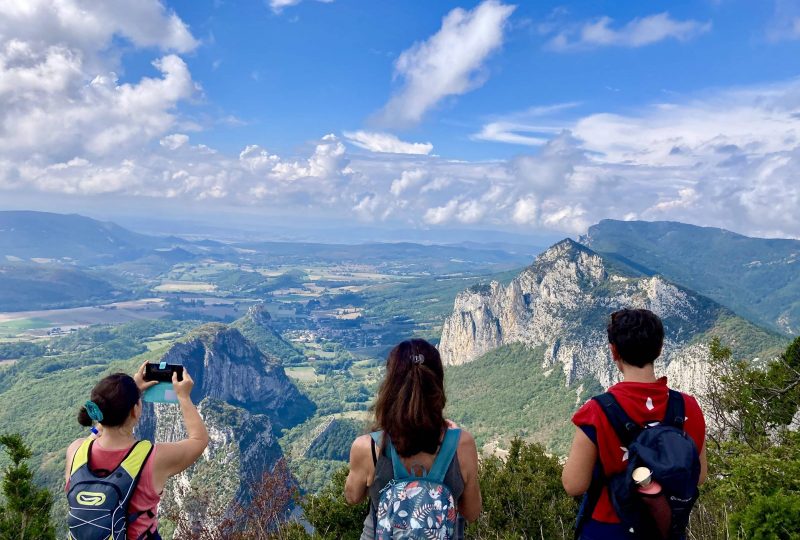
{"x": 386, "y": 143}
{"x": 451, "y": 62}
{"x": 638, "y": 32}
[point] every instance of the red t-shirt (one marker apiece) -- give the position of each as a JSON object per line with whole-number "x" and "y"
{"x": 643, "y": 402}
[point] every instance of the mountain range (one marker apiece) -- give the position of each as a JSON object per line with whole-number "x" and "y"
{"x": 758, "y": 278}
{"x": 548, "y": 327}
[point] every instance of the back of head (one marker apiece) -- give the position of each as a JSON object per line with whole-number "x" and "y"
{"x": 115, "y": 395}
{"x": 411, "y": 399}
{"x": 637, "y": 335}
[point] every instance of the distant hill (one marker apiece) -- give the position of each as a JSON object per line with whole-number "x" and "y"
{"x": 27, "y": 235}
{"x": 755, "y": 277}
{"x": 255, "y": 326}
{"x": 35, "y": 286}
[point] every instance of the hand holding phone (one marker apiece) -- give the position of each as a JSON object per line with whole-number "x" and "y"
{"x": 165, "y": 382}
{"x": 162, "y": 372}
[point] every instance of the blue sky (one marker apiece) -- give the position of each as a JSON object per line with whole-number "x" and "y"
{"x": 528, "y": 117}
{"x": 326, "y": 67}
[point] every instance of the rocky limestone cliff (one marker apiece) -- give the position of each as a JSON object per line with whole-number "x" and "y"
{"x": 243, "y": 397}
{"x": 562, "y": 302}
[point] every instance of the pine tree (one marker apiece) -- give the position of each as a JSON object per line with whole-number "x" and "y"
{"x": 25, "y": 508}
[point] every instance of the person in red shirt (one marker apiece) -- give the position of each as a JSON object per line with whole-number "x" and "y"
{"x": 636, "y": 337}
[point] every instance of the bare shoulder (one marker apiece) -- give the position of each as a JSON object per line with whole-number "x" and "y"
{"x": 467, "y": 441}
{"x": 361, "y": 445}
{"x": 73, "y": 447}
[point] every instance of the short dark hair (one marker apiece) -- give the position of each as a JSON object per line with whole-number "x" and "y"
{"x": 637, "y": 334}
{"x": 115, "y": 395}
{"x": 411, "y": 399}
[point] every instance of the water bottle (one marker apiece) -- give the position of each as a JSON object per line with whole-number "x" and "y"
{"x": 654, "y": 499}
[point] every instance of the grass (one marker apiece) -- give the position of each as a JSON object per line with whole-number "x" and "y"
{"x": 305, "y": 374}
{"x": 13, "y": 327}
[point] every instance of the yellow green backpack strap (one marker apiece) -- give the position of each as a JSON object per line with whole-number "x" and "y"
{"x": 81, "y": 456}
{"x": 134, "y": 461}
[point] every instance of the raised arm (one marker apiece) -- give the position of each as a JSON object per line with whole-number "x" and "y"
{"x": 173, "y": 458}
{"x": 470, "y": 503}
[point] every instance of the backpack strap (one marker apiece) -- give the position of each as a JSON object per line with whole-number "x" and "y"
{"x": 399, "y": 471}
{"x": 447, "y": 452}
{"x": 375, "y": 438}
{"x": 375, "y": 441}
{"x": 676, "y": 410}
{"x": 625, "y": 428}
{"x": 134, "y": 461}
{"x": 81, "y": 456}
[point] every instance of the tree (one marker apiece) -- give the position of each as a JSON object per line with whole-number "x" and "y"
{"x": 25, "y": 510}
{"x": 753, "y": 489}
{"x": 523, "y": 496}
{"x": 329, "y": 513}
{"x": 258, "y": 516}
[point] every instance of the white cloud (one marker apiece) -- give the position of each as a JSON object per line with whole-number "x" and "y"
{"x": 526, "y": 211}
{"x": 386, "y": 143}
{"x": 448, "y": 63}
{"x": 636, "y": 33}
{"x": 407, "y": 179}
{"x": 526, "y": 127}
{"x": 90, "y": 26}
{"x": 508, "y": 132}
{"x": 442, "y": 214}
{"x": 279, "y": 5}
{"x": 174, "y": 141}
{"x": 59, "y": 94}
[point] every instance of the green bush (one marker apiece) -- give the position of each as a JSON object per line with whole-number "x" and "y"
{"x": 329, "y": 513}
{"x": 776, "y": 517}
{"x": 523, "y": 496}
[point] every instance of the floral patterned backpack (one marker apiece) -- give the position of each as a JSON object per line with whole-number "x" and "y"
{"x": 418, "y": 507}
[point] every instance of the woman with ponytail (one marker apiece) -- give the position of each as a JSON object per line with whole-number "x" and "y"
{"x": 113, "y": 411}
{"x": 410, "y": 425}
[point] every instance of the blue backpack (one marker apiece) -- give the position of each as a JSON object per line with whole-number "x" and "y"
{"x": 665, "y": 449}
{"x": 98, "y": 499}
{"x": 418, "y": 507}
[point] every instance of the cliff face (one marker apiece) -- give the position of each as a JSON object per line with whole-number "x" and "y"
{"x": 243, "y": 396}
{"x": 562, "y": 302}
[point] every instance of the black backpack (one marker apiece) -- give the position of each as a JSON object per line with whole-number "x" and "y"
{"x": 667, "y": 451}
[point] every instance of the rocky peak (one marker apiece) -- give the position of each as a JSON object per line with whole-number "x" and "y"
{"x": 243, "y": 397}
{"x": 228, "y": 367}
{"x": 259, "y": 314}
{"x": 562, "y": 302}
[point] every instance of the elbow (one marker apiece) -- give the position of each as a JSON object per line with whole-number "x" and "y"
{"x": 472, "y": 515}
{"x": 572, "y": 487}
{"x": 352, "y": 498}
{"x": 702, "y": 479}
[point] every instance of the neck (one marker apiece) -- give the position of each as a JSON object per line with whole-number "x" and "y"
{"x": 117, "y": 437}
{"x": 646, "y": 374}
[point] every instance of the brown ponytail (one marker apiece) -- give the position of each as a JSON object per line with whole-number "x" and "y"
{"x": 115, "y": 396}
{"x": 410, "y": 403}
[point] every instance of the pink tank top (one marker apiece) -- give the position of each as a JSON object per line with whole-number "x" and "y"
{"x": 144, "y": 497}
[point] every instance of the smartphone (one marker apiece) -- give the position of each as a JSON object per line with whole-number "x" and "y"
{"x": 162, "y": 372}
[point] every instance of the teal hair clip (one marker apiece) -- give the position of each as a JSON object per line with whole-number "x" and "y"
{"x": 94, "y": 411}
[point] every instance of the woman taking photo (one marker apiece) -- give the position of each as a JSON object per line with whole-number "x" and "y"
{"x": 419, "y": 470}
{"x": 114, "y": 482}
